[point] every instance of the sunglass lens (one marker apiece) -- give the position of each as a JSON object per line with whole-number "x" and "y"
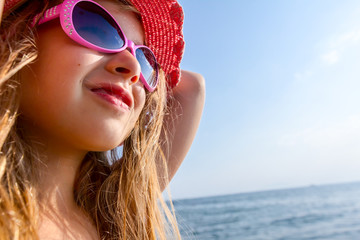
{"x": 148, "y": 64}
{"x": 96, "y": 26}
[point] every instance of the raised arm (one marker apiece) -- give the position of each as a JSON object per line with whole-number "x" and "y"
{"x": 183, "y": 121}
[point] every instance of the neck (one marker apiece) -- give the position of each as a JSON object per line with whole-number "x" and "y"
{"x": 59, "y": 214}
{"x": 56, "y": 174}
{"x": 57, "y": 169}
{"x": 56, "y": 180}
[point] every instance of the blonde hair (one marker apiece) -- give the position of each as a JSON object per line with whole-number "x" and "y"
{"x": 122, "y": 196}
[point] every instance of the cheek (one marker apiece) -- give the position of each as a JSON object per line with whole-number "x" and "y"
{"x": 139, "y": 98}
{"x": 139, "y": 102}
{"x": 46, "y": 87}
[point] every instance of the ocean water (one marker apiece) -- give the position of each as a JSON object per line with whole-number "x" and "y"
{"x": 330, "y": 212}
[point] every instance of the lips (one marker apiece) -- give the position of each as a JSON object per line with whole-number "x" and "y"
{"x": 114, "y": 94}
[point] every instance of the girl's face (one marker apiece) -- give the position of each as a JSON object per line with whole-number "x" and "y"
{"x": 80, "y": 98}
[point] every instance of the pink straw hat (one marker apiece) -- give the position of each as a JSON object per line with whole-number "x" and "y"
{"x": 162, "y": 21}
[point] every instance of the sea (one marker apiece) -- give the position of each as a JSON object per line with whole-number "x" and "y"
{"x": 328, "y": 212}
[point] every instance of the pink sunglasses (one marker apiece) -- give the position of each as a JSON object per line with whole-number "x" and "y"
{"x": 89, "y": 24}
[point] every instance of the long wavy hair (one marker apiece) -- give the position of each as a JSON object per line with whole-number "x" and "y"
{"x": 122, "y": 196}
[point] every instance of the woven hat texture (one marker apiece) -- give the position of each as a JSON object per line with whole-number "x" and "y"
{"x": 162, "y": 21}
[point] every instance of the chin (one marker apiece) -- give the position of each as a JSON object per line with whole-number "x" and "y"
{"x": 103, "y": 143}
{"x": 103, "y": 146}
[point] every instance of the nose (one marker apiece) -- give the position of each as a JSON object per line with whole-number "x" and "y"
{"x": 125, "y": 65}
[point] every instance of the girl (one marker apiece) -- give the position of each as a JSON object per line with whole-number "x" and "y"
{"x": 79, "y": 78}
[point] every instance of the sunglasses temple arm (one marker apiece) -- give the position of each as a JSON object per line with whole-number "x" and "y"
{"x": 48, "y": 15}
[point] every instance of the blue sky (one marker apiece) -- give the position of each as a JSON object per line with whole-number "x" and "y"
{"x": 283, "y": 95}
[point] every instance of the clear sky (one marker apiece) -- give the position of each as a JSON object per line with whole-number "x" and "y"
{"x": 283, "y": 95}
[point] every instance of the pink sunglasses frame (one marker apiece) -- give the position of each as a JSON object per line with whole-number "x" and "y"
{"x": 64, "y": 12}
